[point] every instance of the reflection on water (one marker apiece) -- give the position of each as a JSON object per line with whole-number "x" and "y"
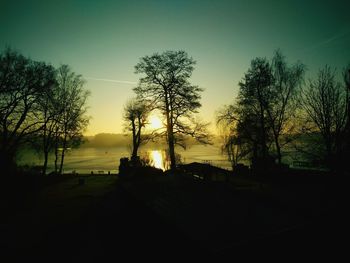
{"x": 87, "y": 159}
{"x": 158, "y": 159}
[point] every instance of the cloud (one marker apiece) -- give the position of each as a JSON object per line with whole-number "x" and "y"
{"x": 327, "y": 41}
{"x": 333, "y": 38}
{"x": 114, "y": 81}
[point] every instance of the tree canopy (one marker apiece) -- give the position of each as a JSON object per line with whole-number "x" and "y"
{"x": 165, "y": 82}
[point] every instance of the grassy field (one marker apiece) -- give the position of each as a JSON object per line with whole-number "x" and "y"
{"x": 73, "y": 198}
{"x": 49, "y": 203}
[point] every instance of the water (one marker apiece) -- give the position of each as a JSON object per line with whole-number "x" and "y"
{"x": 104, "y": 160}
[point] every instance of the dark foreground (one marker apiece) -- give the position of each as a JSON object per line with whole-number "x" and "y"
{"x": 172, "y": 218}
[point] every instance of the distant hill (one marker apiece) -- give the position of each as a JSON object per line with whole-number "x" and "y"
{"x": 106, "y": 140}
{"x": 121, "y": 140}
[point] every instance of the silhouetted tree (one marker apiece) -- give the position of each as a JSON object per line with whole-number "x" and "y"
{"x": 22, "y": 83}
{"x": 135, "y": 117}
{"x": 324, "y": 102}
{"x": 166, "y": 84}
{"x": 264, "y": 109}
{"x": 233, "y": 143}
{"x": 71, "y": 105}
{"x": 51, "y": 109}
{"x": 254, "y": 96}
{"x": 281, "y": 106}
{"x": 346, "y": 75}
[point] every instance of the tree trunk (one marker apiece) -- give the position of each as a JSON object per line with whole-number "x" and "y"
{"x": 56, "y": 151}
{"x": 134, "y": 153}
{"x": 262, "y": 123}
{"x": 263, "y": 135}
{"x": 46, "y": 157}
{"x": 63, "y": 153}
{"x": 134, "y": 142}
{"x": 279, "y": 155}
{"x": 56, "y": 159}
{"x": 170, "y": 133}
{"x": 278, "y": 149}
{"x": 171, "y": 142}
{"x": 172, "y": 151}
{"x": 45, "y": 145}
{"x": 62, "y": 160}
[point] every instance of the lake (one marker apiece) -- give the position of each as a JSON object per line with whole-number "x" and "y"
{"x": 106, "y": 159}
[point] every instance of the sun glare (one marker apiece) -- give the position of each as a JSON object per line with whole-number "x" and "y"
{"x": 157, "y": 159}
{"x": 155, "y": 122}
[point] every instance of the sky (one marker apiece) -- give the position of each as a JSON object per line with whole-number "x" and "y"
{"x": 104, "y": 40}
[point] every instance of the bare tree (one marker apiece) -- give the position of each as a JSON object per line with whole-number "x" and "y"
{"x": 346, "y": 75}
{"x": 346, "y": 145}
{"x": 49, "y": 107}
{"x": 166, "y": 84}
{"x": 324, "y": 102}
{"x": 22, "y": 83}
{"x": 281, "y": 106}
{"x": 71, "y": 105}
{"x": 233, "y": 145}
{"x": 135, "y": 117}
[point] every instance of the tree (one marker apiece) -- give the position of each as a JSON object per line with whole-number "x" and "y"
{"x": 346, "y": 150}
{"x": 281, "y": 107}
{"x": 71, "y": 106}
{"x": 255, "y": 93}
{"x": 262, "y": 116}
{"x": 325, "y": 105}
{"x": 233, "y": 145}
{"x": 22, "y": 83}
{"x": 166, "y": 84}
{"x": 135, "y": 117}
{"x": 346, "y": 75}
{"x": 50, "y": 112}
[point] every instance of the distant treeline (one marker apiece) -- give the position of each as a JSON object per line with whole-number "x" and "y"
{"x": 124, "y": 140}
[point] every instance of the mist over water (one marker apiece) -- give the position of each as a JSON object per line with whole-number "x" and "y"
{"x": 106, "y": 159}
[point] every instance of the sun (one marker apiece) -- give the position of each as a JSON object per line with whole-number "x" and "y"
{"x": 155, "y": 122}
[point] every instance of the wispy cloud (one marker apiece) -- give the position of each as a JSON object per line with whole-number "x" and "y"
{"x": 333, "y": 38}
{"x": 114, "y": 80}
{"x": 327, "y": 41}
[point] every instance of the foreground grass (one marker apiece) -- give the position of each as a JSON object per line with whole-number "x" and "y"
{"x": 67, "y": 201}
{"x": 213, "y": 216}
{"x": 48, "y": 203}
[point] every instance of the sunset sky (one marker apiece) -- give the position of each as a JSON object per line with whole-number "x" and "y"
{"x": 104, "y": 40}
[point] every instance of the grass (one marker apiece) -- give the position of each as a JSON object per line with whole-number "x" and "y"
{"x": 32, "y": 210}
{"x": 72, "y": 198}
{"x": 213, "y": 217}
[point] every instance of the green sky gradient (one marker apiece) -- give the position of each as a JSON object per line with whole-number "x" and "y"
{"x": 105, "y": 39}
